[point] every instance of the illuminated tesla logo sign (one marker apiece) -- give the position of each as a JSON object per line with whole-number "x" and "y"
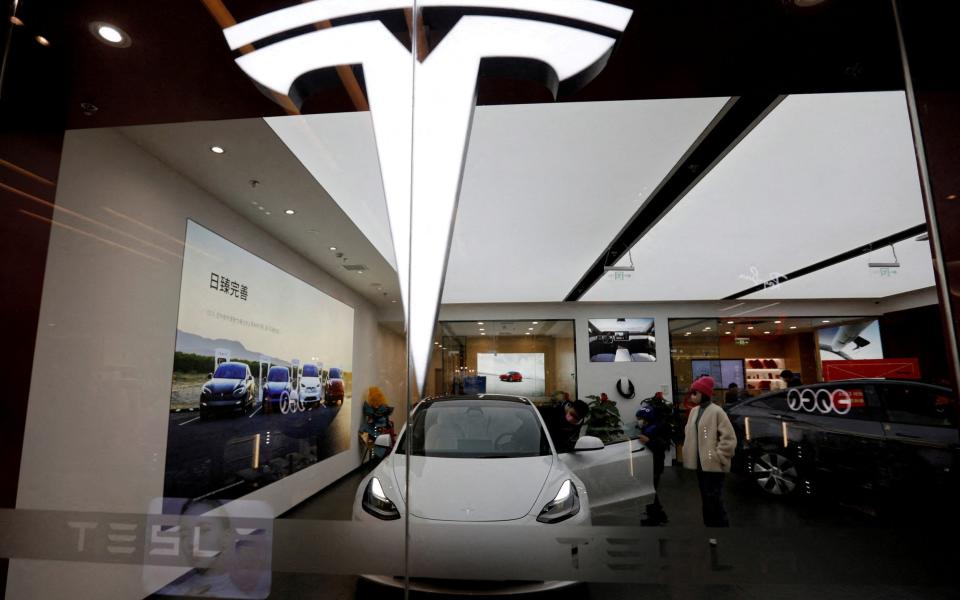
{"x": 422, "y": 120}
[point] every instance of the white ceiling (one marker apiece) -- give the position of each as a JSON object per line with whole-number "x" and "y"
{"x": 547, "y": 187}
{"x": 253, "y": 151}
{"x": 820, "y": 175}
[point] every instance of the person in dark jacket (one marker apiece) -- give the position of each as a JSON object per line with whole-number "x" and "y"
{"x": 564, "y": 422}
{"x": 655, "y": 435}
{"x": 790, "y": 378}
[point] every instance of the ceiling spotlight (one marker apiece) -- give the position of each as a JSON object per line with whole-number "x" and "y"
{"x": 289, "y": 211}
{"x": 254, "y": 202}
{"x": 536, "y": 322}
{"x": 110, "y": 35}
{"x": 529, "y": 328}
{"x": 217, "y": 149}
{"x": 729, "y": 322}
{"x": 528, "y": 333}
{"x": 333, "y": 248}
{"x": 393, "y": 301}
{"x": 778, "y": 322}
{"x": 436, "y": 343}
{"x": 687, "y": 333}
{"x": 267, "y": 213}
{"x": 726, "y": 333}
{"x": 359, "y": 272}
{"x": 825, "y": 321}
{"x": 42, "y": 40}
{"x": 706, "y": 329}
{"x": 483, "y": 334}
{"x": 793, "y": 327}
{"x": 766, "y": 333}
{"x": 16, "y": 21}
{"x": 260, "y": 208}
{"x": 479, "y": 322}
{"x": 750, "y": 327}
{"x": 482, "y": 329}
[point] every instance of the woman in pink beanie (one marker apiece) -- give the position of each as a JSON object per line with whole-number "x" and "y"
{"x": 709, "y": 444}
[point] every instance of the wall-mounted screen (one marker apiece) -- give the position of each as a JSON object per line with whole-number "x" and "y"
{"x": 851, "y": 341}
{"x": 262, "y": 373}
{"x": 724, "y": 371}
{"x": 622, "y": 340}
{"x": 516, "y": 373}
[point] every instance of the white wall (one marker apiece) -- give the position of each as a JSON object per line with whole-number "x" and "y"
{"x": 96, "y": 428}
{"x": 647, "y": 378}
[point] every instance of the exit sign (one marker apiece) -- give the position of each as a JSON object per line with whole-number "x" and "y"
{"x": 741, "y": 341}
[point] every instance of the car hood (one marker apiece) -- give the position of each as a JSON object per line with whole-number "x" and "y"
{"x": 310, "y": 381}
{"x": 220, "y": 386}
{"x": 473, "y": 489}
{"x": 276, "y": 386}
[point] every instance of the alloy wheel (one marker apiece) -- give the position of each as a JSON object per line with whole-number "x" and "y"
{"x": 775, "y": 474}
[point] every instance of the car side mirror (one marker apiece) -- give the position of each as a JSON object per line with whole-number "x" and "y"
{"x": 588, "y": 442}
{"x": 209, "y": 375}
{"x": 383, "y": 441}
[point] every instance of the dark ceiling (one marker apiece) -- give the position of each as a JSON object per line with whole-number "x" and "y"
{"x": 180, "y": 69}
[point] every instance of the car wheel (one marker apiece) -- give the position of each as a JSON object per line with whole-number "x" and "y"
{"x": 776, "y": 474}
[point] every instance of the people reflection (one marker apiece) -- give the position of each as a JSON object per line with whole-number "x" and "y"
{"x": 709, "y": 443}
{"x": 654, "y": 433}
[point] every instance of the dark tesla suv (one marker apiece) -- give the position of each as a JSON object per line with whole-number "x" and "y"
{"x": 231, "y": 388}
{"x": 879, "y": 436}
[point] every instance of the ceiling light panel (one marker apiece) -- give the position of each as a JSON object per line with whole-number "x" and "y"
{"x": 552, "y": 197}
{"x": 821, "y": 174}
{"x": 855, "y": 279}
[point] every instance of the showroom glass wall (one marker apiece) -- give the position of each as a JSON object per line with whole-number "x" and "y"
{"x": 239, "y": 254}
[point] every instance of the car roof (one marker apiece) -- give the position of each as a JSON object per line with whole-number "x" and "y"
{"x": 232, "y": 362}
{"x": 462, "y": 397}
{"x": 859, "y": 381}
{"x": 280, "y": 367}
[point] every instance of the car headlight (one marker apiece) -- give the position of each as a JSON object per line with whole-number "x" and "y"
{"x": 205, "y": 391}
{"x": 565, "y": 505}
{"x": 240, "y": 391}
{"x": 376, "y": 502}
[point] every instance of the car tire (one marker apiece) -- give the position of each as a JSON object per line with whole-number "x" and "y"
{"x": 775, "y": 473}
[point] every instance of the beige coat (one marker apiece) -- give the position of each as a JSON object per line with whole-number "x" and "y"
{"x": 717, "y": 440}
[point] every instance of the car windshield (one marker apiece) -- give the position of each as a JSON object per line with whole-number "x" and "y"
{"x": 310, "y": 371}
{"x": 278, "y": 374}
{"x": 476, "y": 429}
{"x": 336, "y": 373}
{"x": 230, "y": 371}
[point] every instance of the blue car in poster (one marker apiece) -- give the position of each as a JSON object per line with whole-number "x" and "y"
{"x": 278, "y": 389}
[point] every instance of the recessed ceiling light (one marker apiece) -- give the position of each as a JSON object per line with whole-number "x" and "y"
{"x": 110, "y": 35}
{"x": 729, "y": 322}
{"x": 16, "y": 21}
{"x": 254, "y": 202}
{"x": 750, "y": 327}
{"x": 393, "y": 301}
{"x": 687, "y": 333}
{"x": 359, "y": 272}
{"x": 777, "y": 322}
{"x": 825, "y": 321}
{"x": 436, "y": 343}
{"x": 260, "y": 208}
{"x": 766, "y": 333}
{"x": 267, "y": 213}
{"x": 289, "y": 211}
{"x": 529, "y": 328}
{"x": 479, "y": 322}
{"x": 217, "y": 149}
{"x": 483, "y": 334}
{"x": 706, "y": 329}
{"x": 793, "y": 327}
{"x": 528, "y": 333}
{"x": 726, "y": 333}
{"x": 536, "y": 322}
{"x": 482, "y": 329}
{"x": 333, "y": 248}
{"x": 42, "y": 40}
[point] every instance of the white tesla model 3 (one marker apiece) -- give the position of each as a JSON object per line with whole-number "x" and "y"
{"x": 489, "y": 459}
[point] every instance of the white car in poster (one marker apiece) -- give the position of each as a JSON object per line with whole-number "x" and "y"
{"x": 311, "y": 389}
{"x": 489, "y": 459}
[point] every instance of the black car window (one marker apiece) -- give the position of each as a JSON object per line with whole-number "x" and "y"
{"x": 777, "y": 402}
{"x": 919, "y": 405}
{"x": 230, "y": 371}
{"x": 310, "y": 371}
{"x": 278, "y": 374}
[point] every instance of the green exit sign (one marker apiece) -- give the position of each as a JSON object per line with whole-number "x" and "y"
{"x": 741, "y": 341}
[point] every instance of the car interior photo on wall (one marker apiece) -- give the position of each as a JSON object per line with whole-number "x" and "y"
{"x": 622, "y": 340}
{"x": 886, "y": 438}
{"x": 466, "y": 451}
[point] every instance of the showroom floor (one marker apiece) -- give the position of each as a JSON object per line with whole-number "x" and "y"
{"x": 911, "y": 561}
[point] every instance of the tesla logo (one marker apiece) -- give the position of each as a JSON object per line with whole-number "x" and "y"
{"x": 422, "y": 122}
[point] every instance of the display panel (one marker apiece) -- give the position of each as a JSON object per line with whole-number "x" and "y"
{"x": 723, "y": 371}
{"x": 851, "y": 341}
{"x": 622, "y": 340}
{"x": 518, "y": 373}
{"x": 262, "y": 373}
